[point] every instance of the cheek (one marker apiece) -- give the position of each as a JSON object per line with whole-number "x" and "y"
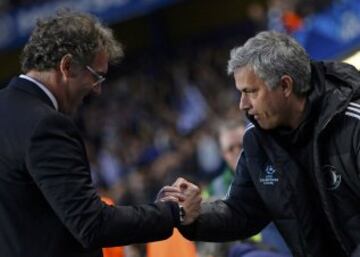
{"x": 78, "y": 92}
{"x": 262, "y": 105}
{"x": 237, "y": 151}
{"x": 83, "y": 88}
{"x": 227, "y": 156}
{"x": 259, "y": 101}
{"x": 274, "y": 107}
{"x": 231, "y": 156}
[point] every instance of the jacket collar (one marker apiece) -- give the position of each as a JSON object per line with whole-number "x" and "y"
{"x": 30, "y": 88}
{"x": 43, "y": 88}
{"x": 335, "y": 84}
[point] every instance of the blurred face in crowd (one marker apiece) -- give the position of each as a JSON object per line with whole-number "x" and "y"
{"x": 83, "y": 81}
{"x": 267, "y": 106}
{"x": 231, "y": 145}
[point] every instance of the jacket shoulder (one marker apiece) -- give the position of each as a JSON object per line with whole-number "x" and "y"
{"x": 344, "y": 72}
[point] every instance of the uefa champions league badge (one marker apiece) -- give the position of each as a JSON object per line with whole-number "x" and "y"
{"x": 268, "y": 176}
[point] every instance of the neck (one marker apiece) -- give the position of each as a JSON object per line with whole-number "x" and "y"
{"x": 49, "y": 80}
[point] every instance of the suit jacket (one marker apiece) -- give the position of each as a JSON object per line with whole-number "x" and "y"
{"x": 48, "y": 205}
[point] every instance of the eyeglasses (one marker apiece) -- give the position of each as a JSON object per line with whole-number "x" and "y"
{"x": 99, "y": 78}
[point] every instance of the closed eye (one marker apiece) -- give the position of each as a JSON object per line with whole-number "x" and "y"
{"x": 249, "y": 91}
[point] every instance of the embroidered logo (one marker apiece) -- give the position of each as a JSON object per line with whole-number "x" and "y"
{"x": 331, "y": 177}
{"x": 269, "y": 176}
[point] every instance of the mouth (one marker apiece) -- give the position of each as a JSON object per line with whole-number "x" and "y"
{"x": 253, "y": 115}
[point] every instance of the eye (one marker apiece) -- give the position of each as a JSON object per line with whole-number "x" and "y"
{"x": 249, "y": 91}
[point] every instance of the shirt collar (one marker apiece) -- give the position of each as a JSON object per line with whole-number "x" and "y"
{"x": 43, "y": 88}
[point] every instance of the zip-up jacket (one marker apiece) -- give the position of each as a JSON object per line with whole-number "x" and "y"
{"x": 308, "y": 185}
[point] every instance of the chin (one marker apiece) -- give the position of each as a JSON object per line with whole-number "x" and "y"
{"x": 266, "y": 126}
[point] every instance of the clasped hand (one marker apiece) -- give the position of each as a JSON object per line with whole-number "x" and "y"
{"x": 185, "y": 193}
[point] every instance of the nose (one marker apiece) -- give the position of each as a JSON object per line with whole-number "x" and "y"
{"x": 244, "y": 102}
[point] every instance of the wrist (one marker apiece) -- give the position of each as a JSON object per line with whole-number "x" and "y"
{"x": 182, "y": 214}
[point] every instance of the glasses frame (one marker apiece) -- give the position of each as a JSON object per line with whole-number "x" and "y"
{"x": 99, "y": 78}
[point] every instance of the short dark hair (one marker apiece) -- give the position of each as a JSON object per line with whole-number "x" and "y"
{"x": 68, "y": 32}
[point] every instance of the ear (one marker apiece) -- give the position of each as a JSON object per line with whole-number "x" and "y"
{"x": 287, "y": 84}
{"x": 65, "y": 66}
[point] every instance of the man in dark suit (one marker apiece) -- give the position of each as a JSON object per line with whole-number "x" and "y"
{"x": 48, "y": 205}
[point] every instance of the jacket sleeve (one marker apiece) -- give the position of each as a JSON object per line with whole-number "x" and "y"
{"x": 241, "y": 215}
{"x": 56, "y": 160}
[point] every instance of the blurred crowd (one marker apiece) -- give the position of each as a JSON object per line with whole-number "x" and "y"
{"x": 9, "y": 5}
{"x": 292, "y": 10}
{"x": 158, "y": 122}
{"x": 289, "y": 16}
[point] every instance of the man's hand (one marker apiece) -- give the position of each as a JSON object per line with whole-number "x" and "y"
{"x": 191, "y": 199}
{"x": 170, "y": 193}
{"x": 184, "y": 193}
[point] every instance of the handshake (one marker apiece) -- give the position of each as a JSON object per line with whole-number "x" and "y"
{"x": 187, "y": 195}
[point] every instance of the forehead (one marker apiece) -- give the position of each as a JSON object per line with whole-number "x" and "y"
{"x": 245, "y": 78}
{"x": 232, "y": 136}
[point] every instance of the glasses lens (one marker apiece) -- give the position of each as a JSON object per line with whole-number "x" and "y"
{"x": 99, "y": 78}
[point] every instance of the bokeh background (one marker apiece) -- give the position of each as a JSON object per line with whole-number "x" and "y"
{"x": 157, "y": 117}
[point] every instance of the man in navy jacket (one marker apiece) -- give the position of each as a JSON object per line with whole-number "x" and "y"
{"x": 300, "y": 166}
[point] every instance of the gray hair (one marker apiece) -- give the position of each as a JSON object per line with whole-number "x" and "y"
{"x": 68, "y": 32}
{"x": 271, "y": 55}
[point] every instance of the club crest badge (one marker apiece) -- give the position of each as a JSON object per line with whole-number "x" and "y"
{"x": 331, "y": 176}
